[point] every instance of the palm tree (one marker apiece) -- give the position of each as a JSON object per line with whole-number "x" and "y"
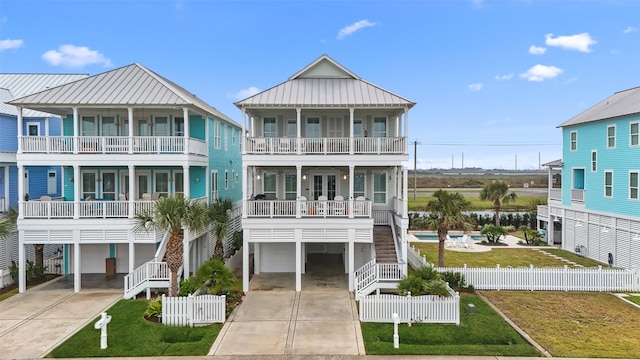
{"x": 498, "y": 193}
{"x": 173, "y": 214}
{"x": 8, "y": 222}
{"x": 218, "y": 212}
{"x": 445, "y": 212}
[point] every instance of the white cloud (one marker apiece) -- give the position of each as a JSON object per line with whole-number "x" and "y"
{"x": 504, "y": 77}
{"x": 537, "y": 50}
{"x": 10, "y": 44}
{"x": 475, "y": 87}
{"x": 541, "y": 73}
{"x": 580, "y": 42}
{"x": 630, "y": 29}
{"x": 245, "y": 93}
{"x": 350, "y": 29}
{"x": 75, "y": 57}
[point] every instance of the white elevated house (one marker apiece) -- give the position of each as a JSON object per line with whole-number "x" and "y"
{"x": 128, "y": 137}
{"x": 323, "y": 175}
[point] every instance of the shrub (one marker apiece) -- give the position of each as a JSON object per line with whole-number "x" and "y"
{"x": 493, "y": 233}
{"x": 154, "y": 308}
{"x": 436, "y": 287}
{"x": 187, "y": 286}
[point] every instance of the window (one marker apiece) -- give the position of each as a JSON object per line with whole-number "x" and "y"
{"x": 89, "y": 126}
{"x": 225, "y": 137}
{"x": 233, "y": 136}
{"x": 52, "y": 182}
{"x": 358, "y": 129}
{"x": 162, "y": 184}
{"x": 233, "y": 177}
{"x": 269, "y": 127}
{"x": 109, "y": 126}
{"x": 634, "y": 139}
{"x": 33, "y": 129}
{"x": 313, "y": 127}
{"x": 358, "y": 184}
{"x": 108, "y": 185}
{"x": 216, "y": 136}
{"x": 161, "y": 126}
{"x": 143, "y": 129}
{"x": 292, "y": 129}
{"x": 88, "y": 185}
{"x": 380, "y": 188}
{"x": 226, "y": 179}
{"x": 594, "y": 160}
{"x": 608, "y": 184}
{"x": 269, "y": 186}
{"x": 214, "y": 185}
{"x": 573, "y": 141}
{"x": 379, "y": 127}
{"x": 178, "y": 183}
{"x": 178, "y": 126}
{"x": 290, "y": 186}
{"x": 633, "y": 185}
{"x": 611, "y": 136}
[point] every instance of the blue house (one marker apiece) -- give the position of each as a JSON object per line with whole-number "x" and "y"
{"x": 594, "y": 210}
{"x": 128, "y": 137}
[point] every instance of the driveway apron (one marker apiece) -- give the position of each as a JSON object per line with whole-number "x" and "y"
{"x": 285, "y": 322}
{"x": 35, "y": 322}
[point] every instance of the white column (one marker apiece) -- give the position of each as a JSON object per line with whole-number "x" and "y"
{"x": 130, "y": 126}
{"x": 245, "y": 260}
{"x": 76, "y": 265}
{"x": 22, "y": 263}
{"x": 20, "y": 124}
{"x": 76, "y": 130}
{"x": 132, "y": 256}
{"x": 243, "y": 134}
{"x": 46, "y": 126}
{"x": 405, "y": 195}
{"x": 256, "y": 258}
{"x": 299, "y": 191}
{"x": 76, "y": 191}
{"x": 298, "y": 265}
{"x": 299, "y": 129}
{"x": 6, "y": 186}
{"x": 187, "y": 133}
{"x": 187, "y": 181}
{"x": 351, "y": 121}
{"x": 406, "y": 122}
{"x": 20, "y": 190}
{"x": 351, "y": 198}
{"x": 207, "y": 184}
{"x": 245, "y": 189}
{"x": 186, "y": 259}
{"x": 351, "y": 266}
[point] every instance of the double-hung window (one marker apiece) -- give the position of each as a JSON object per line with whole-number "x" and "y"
{"x": 269, "y": 185}
{"x": 379, "y": 127}
{"x": 358, "y": 184}
{"x": 608, "y": 184}
{"x": 290, "y": 186}
{"x": 380, "y": 188}
{"x": 634, "y": 134}
{"x": 269, "y": 130}
{"x": 633, "y": 185}
{"x": 611, "y": 137}
{"x": 573, "y": 141}
{"x": 594, "y": 160}
{"x": 217, "y": 135}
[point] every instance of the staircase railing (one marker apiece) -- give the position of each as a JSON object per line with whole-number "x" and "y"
{"x": 372, "y": 276}
{"x": 151, "y": 271}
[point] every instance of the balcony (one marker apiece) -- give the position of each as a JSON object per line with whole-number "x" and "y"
{"x": 308, "y": 209}
{"x": 577, "y": 195}
{"x": 326, "y": 146}
{"x": 113, "y": 145}
{"x": 86, "y": 209}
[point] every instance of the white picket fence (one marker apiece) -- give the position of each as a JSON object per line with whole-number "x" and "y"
{"x": 418, "y": 309}
{"x": 549, "y": 279}
{"x": 193, "y": 310}
{"x": 415, "y": 259}
{"x": 5, "y": 278}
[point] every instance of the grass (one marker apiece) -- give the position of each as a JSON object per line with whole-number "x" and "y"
{"x": 503, "y": 256}
{"x": 576, "y": 258}
{"x": 8, "y": 294}
{"x": 484, "y": 333}
{"x": 131, "y": 335}
{"x": 634, "y": 299}
{"x": 593, "y": 325}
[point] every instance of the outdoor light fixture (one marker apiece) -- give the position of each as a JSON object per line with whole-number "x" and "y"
{"x": 197, "y": 180}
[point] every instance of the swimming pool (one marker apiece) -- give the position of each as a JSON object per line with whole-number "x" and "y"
{"x": 434, "y": 237}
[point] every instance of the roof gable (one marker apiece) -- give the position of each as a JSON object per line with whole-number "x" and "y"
{"x": 324, "y": 67}
{"x": 622, "y": 103}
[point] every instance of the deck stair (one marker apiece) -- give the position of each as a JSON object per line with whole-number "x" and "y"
{"x": 384, "y": 244}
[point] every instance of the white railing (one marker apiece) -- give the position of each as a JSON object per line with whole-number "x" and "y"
{"x": 86, "y": 209}
{"x": 191, "y": 310}
{"x": 53, "y": 265}
{"x": 112, "y": 144}
{"x": 415, "y": 259}
{"x": 543, "y": 210}
{"x": 577, "y": 195}
{"x": 418, "y": 309}
{"x": 550, "y": 279}
{"x": 365, "y": 275}
{"x": 5, "y": 278}
{"x": 372, "y": 273}
{"x": 341, "y": 145}
{"x": 555, "y": 194}
{"x": 149, "y": 271}
{"x": 308, "y": 208}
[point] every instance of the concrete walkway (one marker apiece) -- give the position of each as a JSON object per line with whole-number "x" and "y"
{"x": 310, "y": 322}
{"x": 35, "y": 322}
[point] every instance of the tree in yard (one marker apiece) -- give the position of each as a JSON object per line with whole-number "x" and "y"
{"x": 173, "y": 214}
{"x": 8, "y": 222}
{"x": 493, "y": 233}
{"x": 219, "y": 215}
{"x": 498, "y": 193}
{"x": 445, "y": 212}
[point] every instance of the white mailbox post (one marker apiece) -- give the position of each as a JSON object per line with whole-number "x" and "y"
{"x": 102, "y": 325}
{"x": 396, "y": 338}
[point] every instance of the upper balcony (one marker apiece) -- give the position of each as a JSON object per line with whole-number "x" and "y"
{"x": 113, "y": 145}
{"x": 326, "y": 146}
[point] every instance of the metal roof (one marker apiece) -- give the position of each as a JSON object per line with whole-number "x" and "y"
{"x": 6, "y": 109}
{"x": 325, "y": 83}
{"x": 554, "y": 163}
{"x": 622, "y": 103}
{"x": 132, "y": 85}
{"x": 26, "y": 84}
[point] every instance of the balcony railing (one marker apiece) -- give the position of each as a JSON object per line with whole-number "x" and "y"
{"x": 555, "y": 194}
{"x": 113, "y": 145}
{"x": 543, "y": 210}
{"x": 309, "y": 209}
{"x": 577, "y": 195}
{"x": 86, "y": 209}
{"x": 323, "y": 146}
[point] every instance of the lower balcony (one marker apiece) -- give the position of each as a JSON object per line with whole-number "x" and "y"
{"x": 86, "y": 209}
{"x": 113, "y": 145}
{"x": 308, "y": 208}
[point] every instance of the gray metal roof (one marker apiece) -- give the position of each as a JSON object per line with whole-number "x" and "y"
{"x": 554, "y": 163}
{"x": 26, "y": 84}
{"x": 622, "y": 103}
{"x": 132, "y": 85}
{"x": 325, "y": 83}
{"x": 6, "y": 109}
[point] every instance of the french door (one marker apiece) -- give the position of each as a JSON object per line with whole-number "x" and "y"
{"x": 324, "y": 184}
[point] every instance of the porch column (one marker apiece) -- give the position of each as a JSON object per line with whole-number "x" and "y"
{"x": 187, "y": 134}
{"x": 405, "y": 192}
{"x": 243, "y": 134}
{"x": 299, "y": 129}
{"x": 20, "y": 124}
{"x": 22, "y": 208}
{"x": 132, "y": 256}
{"x": 76, "y": 130}
{"x": 6, "y": 187}
{"x": 351, "y": 199}
{"x": 186, "y": 259}
{"x": 130, "y": 126}
{"x": 22, "y": 263}
{"x": 351, "y": 267}
{"x": 550, "y": 180}
{"x": 132, "y": 188}
{"x": 299, "y": 191}
{"x": 406, "y": 123}
{"x": 207, "y": 184}
{"x": 76, "y": 191}
{"x": 245, "y": 260}
{"x": 351, "y": 120}
{"x": 187, "y": 181}
{"x": 76, "y": 265}
{"x": 245, "y": 188}
{"x": 298, "y": 266}
{"x": 256, "y": 258}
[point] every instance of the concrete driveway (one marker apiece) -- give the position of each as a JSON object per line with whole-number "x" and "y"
{"x": 285, "y": 322}
{"x": 35, "y": 322}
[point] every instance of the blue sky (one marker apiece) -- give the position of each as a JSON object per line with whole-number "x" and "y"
{"x": 492, "y": 79}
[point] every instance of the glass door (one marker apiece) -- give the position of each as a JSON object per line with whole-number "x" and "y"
{"x": 109, "y": 186}
{"x": 143, "y": 186}
{"x": 88, "y": 190}
{"x": 324, "y": 184}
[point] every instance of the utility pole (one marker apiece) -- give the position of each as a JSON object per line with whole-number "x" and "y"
{"x": 415, "y": 169}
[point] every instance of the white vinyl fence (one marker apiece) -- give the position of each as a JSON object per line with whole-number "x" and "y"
{"x": 550, "y": 279}
{"x": 415, "y": 259}
{"x": 192, "y": 310}
{"x": 5, "y": 278}
{"x": 418, "y": 309}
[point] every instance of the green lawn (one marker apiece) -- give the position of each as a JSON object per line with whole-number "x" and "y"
{"x": 576, "y": 258}
{"x": 131, "y": 335}
{"x": 504, "y": 256}
{"x": 484, "y": 333}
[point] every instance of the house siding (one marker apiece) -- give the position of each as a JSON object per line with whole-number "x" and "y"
{"x": 8, "y": 139}
{"x": 226, "y": 158}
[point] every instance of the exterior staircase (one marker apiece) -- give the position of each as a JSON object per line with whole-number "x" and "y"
{"x": 385, "y": 245}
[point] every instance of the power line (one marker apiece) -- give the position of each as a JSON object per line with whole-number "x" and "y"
{"x": 467, "y": 144}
